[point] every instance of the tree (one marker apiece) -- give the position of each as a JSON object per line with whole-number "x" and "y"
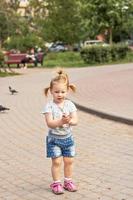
{"x": 14, "y": 4}
{"x": 61, "y": 21}
{"x": 9, "y": 19}
{"x": 106, "y": 15}
{"x": 3, "y": 21}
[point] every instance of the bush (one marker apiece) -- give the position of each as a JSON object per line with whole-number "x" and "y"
{"x": 104, "y": 54}
{"x": 23, "y": 43}
{"x": 1, "y": 58}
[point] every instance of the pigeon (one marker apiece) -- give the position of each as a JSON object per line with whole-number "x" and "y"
{"x": 13, "y": 91}
{"x": 2, "y": 108}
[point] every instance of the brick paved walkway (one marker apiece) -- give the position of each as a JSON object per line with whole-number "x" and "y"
{"x": 103, "y": 166}
{"x": 106, "y": 89}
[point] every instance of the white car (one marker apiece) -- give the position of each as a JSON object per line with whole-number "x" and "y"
{"x": 94, "y": 42}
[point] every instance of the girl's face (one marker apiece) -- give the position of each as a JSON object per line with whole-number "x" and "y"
{"x": 59, "y": 92}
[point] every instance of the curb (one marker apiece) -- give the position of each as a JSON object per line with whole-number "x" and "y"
{"x": 104, "y": 115}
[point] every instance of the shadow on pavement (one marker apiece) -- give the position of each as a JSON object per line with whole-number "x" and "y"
{"x": 105, "y": 115}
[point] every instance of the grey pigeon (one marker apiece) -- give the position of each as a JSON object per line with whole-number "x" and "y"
{"x": 2, "y": 108}
{"x": 13, "y": 91}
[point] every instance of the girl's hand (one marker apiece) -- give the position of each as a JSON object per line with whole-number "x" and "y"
{"x": 66, "y": 119}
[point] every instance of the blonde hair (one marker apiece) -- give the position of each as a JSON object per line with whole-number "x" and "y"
{"x": 61, "y": 77}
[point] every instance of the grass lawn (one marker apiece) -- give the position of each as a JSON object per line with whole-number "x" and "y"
{"x": 69, "y": 59}
{"x": 4, "y": 74}
{"x": 64, "y": 59}
{"x": 73, "y": 59}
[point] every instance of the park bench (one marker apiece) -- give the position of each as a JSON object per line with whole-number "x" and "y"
{"x": 16, "y": 58}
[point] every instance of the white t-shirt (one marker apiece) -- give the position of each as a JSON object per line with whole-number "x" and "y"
{"x": 57, "y": 113}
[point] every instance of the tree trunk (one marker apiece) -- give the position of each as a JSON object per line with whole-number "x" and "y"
{"x": 110, "y": 36}
{"x": 0, "y": 44}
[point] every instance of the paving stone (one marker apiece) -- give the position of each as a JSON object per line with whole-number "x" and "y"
{"x": 103, "y": 165}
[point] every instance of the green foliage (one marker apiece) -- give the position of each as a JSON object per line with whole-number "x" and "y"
{"x": 64, "y": 59}
{"x": 6, "y": 73}
{"x": 14, "y": 4}
{"x": 62, "y": 21}
{"x": 3, "y": 26}
{"x": 23, "y": 43}
{"x": 106, "y": 16}
{"x": 1, "y": 58}
{"x": 104, "y": 54}
{"x": 8, "y": 19}
{"x": 68, "y": 21}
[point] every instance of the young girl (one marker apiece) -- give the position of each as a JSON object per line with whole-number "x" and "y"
{"x": 60, "y": 116}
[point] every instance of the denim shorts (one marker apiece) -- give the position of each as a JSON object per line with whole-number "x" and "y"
{"x": 57, "y": 147}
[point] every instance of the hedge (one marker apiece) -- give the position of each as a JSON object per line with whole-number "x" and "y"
{"x": 104, "y": 54}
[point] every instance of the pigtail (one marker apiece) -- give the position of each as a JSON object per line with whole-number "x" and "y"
{"x": 60, "y": 72}
{"x": 46, "y": 91}
{"x": 72, "y": 87}
{"x": 60, "y": 77}
{"x": 63, "y": 76}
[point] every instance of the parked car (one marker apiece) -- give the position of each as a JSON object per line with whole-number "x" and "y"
{"x": 129, "y": 43}
{"x": 58, "y": 47}
{"x": 94, "y": 42}
{"x": 76, "y": 47}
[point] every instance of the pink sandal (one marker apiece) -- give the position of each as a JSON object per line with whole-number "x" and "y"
{"x": 57, "y": 188}
{"x": 70, "y": 186}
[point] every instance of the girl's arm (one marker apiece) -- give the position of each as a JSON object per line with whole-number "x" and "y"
{"x": 71, "y": 119}
{"x": 53, "y": 123}
{"x": 74, "y": 118}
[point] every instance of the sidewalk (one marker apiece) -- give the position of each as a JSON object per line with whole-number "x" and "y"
{"x": 108, "y": 90}
{"x": 103, "y": 166}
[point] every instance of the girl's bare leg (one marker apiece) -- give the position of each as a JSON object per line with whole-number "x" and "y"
{"x": 56, "y": 168}
{"x": 68, "y": 166}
